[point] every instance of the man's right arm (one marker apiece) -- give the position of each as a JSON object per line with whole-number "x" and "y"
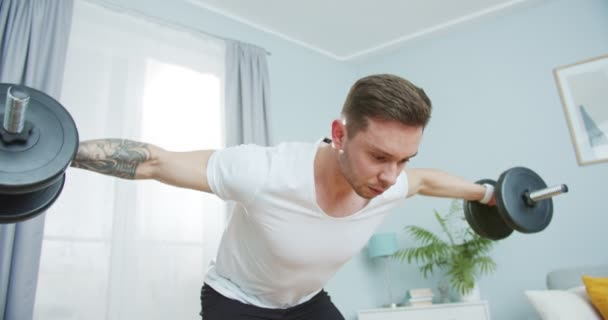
{"x": 432, "y": 182}
{"x": 129, "y": 159}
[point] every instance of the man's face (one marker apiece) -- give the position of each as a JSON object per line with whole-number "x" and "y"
{"x": 372, "y": 160}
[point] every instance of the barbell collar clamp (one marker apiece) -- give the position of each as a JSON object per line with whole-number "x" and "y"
{"x": 20, "y": 137}
{"x": 533, "y": 197}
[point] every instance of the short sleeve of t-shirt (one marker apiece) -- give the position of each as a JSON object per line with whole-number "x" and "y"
{"x": 237, "y": 173}
{"x": 402, "y": 184}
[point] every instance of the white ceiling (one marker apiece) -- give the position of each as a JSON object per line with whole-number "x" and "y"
{"x": 351, "y": 29}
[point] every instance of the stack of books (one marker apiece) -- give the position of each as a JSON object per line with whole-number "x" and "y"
{"x": 420, "y": 297}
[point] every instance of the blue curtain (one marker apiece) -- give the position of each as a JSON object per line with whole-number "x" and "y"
{"x": 247, "y": 95}
{"x": 33, "y": 44}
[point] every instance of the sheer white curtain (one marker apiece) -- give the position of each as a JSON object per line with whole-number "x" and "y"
{"x": 120, "y": 249}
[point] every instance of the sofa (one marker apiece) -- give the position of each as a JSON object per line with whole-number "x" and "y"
{"x": 568, "y": 296}
{"x": 563, "y": 279}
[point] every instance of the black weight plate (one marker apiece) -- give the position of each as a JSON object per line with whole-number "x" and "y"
{"x": 20, "y": 207}
{"x": 485, "y": 220}
{"x": 468, "y": 214}
{"x": 510, "y": 199}
{"x": 44, "y": 157}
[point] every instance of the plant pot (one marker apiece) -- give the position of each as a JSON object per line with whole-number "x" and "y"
{"x": 444, "y": 290}
{"x": 473, "y": 295}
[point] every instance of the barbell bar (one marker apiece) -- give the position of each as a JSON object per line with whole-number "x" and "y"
{"x": 538, "y": 195}
{"x": 38, "y": 139}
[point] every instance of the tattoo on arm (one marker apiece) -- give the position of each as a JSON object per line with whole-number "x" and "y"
{"x": 115, "y": 157}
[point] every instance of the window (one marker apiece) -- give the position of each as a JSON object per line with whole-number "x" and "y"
{"x": 121, "y": 249}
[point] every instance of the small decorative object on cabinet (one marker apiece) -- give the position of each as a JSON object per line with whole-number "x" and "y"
{"x": 478, "y": 310}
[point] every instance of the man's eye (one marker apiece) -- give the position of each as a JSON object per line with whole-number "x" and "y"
{"x": 379, "y": 158}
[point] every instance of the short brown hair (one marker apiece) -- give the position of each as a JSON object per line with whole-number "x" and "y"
{"x": 386, "y": 97}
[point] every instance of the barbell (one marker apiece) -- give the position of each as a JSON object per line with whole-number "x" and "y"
{"x": 34, "y": 151}
{"x": 523, "y": 203}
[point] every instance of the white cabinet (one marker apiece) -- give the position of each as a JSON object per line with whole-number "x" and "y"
{"x": 449, "y": 311}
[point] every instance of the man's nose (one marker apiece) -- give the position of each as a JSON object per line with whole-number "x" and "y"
{"x": 389, "y": 174}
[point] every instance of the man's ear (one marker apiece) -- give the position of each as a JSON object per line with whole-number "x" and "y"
{"x": 338, "y": 133}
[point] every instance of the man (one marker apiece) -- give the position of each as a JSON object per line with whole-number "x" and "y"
{"x": 306, "y": 208}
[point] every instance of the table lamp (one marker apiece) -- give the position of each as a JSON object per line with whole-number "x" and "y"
{"x": 383, "y": 245}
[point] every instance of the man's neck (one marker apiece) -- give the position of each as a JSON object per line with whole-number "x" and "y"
{"x": 335, "y": 196}
{"x": 328, "y": 173}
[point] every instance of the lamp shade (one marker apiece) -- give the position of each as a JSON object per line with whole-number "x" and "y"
{"x": 382, "y": 244}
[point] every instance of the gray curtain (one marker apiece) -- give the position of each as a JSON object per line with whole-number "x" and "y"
{"x": 33, "y": 44}
{"x": 247, "y": 95}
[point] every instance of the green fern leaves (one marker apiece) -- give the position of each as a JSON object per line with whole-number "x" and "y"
{"x": 463, "y": 257}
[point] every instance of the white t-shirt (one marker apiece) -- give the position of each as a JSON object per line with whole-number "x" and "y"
{"x": 279, "y": 248}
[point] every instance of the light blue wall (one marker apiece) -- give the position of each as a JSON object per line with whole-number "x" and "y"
{"x": 496, "y": 106}
{"x": 307, "y": 88}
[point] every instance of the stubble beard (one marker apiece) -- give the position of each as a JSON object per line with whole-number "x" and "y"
{"x": 362, "y": 190}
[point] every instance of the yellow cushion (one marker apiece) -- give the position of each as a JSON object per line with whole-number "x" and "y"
{"x": 597, "y": 289}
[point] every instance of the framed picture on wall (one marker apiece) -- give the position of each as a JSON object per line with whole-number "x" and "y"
{"x": 583, "y": 87}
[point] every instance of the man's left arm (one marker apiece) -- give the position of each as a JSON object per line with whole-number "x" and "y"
{"x": 436, "y": 183}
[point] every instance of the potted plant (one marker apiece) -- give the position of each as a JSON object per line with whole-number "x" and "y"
{"x": 461, "y": 255}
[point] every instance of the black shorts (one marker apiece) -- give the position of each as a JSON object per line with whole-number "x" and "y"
{"x": 217, "y": 307}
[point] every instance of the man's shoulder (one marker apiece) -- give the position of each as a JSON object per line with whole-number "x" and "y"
{"x": 287, "y": 152}
{"x": 288, "y": 145}
{"x": 294, "y": 146}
